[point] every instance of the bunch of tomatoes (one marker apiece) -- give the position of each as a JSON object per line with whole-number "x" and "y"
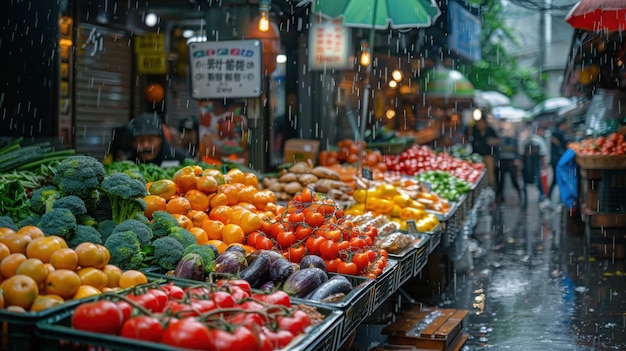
{"x": 312, "y": 224}
{"x": 224, "y": 316}
{"x": 349, "y": 152}
{"x": 610, "y": 145}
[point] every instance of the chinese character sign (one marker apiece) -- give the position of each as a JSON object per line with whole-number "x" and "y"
{"x": 329, "y": 45}
{"x": 225, "y": 69}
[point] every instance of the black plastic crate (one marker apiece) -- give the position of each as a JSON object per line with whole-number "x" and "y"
{"x": 55, "y": 333}
{"x": 421, "y": 256}
{"x": 405, "y": 269}
{"x": 384, "y": 284}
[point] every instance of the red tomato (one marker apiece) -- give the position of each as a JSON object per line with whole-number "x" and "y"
{"x": 187, "y": 333}
{"x": 329, "y": 250}
{"x": 332, "y": 264}
{"x": 348, "y": 268}
{"x": 241, "y": 338}
{"x": 295, "y": 253}
{"x": 223, "y": 299}
{"x": 302, "y": 232}
{"x": 126, "y": 309}
{"x": 286, "y": 239}
{"x": 98, "y": 316}
{"x": 313, "y": 244}
{"x": 174, "y": 291}
{"x": 296, "y": 323}
{"x": 277, "y": 297}
{"x": 274, "y": 339}
{"x": 361, "y": 259}
{"x": 147, "y": 328}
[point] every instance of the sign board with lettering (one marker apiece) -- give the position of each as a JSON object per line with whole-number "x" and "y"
{"x": 329, "y": 46}
{"x": 225, "y": 69}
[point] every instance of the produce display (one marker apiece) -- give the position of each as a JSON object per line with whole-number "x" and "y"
{"x": 609, "y": 145}
{"x": 228, "y": 315}
{"x": 444, "y": 184}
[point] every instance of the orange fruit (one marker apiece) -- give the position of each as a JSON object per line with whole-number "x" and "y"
{"x": 16, "y": 242}
{"x": 93, "y": 277}
{"x": 153, "y": 203}
{"x": 34, "y": 268}
{"x": 198, "y": 217}
{"x": 245, "y": 206}
{"x": 86, "y": 291}
{"x": 64, "y": 258}
{"x": 92, "y": 255}
{"x": 43, "y": 302}
{"x": 233, "y": 234}
{"x": 33, "y": 231}
{"x": 42, "y": 248}
{"x": 49, "y": 267}
{"x": 131, "y": 278}
{"x": 246, "y": 194}
{"x": 250, "y": 222}
{"x": 235, "y": 175}
{"x": 20, "y": 290}
{"x": 185, "y": 179}
{"x": 252, "y": 180}
{"x": 113, "y": 275}
{"x": 235, "y": 216}
{"x": 178, "y": 205}
{"x": 207, "y": 184}
{"x": 165, "y": 188}
{"x": 9, "y": 264}
{"x": 218, "y": 244}
{"x": 221, "y": 213}
{"x": 199, "y": 201}
{"x": 200, "y": 234}
{"x": 62, "y": 282}
{"x": 6, "y": 230}
{"x": 218, "y": 199}
{"x": 231, "y": 192}
{"x": 213, "y": 229}
{"x": 183, "y": 221}
{"x": 4, "y": 251}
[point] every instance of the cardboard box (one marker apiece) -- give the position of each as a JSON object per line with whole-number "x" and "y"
{"x": 301, "y": 150}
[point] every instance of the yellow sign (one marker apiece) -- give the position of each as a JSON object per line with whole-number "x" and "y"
{"x": 152, "y": 64}
{"x": 149, "y": 43}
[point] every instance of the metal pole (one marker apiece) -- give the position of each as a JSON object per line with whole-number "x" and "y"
{"x": 367, "y": 89}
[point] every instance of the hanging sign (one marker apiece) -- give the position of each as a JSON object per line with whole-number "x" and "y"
{"x": 329, "y": 46}
{"x": 225, "y": 69}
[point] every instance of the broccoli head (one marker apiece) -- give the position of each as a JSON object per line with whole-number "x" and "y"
{"x": 86, "y": 219}
{"x": 183, "y": 236}
{"x": 72, "y": 203}
{"x": 125, "y": 195}
{"x": 167, "y": 252}
{"x": 59, "y": 221}
{"x": 125, "y": 250}
{"x": 206, "y": 252}
{"x": 7, "y": 222}
{"x": 106, "y": 228}
{"x": 162, "y": 223}
{"x": 143, "y": 232}
{"x": 79, "y": 175}
{"x": 33, "y": 219}
{"x": 42, "y": 199}
{"x": 84, "y": 234}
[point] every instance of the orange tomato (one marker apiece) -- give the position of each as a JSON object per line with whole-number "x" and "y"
{"x": 86, "y": 291}
{"x": 43, "y": 302}
{"x": 62, "y": 282}
{"x": 9, "y": 264}
{"x": 198, "y": 217}
{"x": 20, "y": 290}
{"x": 201, "y": 236}
{"x": 213, "y": 229}
{"x": 92, "y": 255}
{"x": 218, "y": 244}
{"x": 33, "y": 231}
{"x": 218, "y": 199}
{"x": 221, "y": 213}
{"x": 185, "y": 179}
{"x": 183, "y": 221}
{"x": 250, "y": 222}
{"x": 207, "y": 184}
{"x": 43, "y": 248}
{"x": 233, "y": 234}
{"x": 178, "y": 205}
{"x": 131, "y": 278}
{"x": 64, "y": 258}
{"x": 113, "y": 275}
{"x": 198, "y": 200}
{"x": 4, "y": 251}
{"x": 16, "y": 242}
{"x": 93, "y": 276}
{"x": 252, "y": 180}
{"x": 34, "y": 268}
{"x": 231, "y": 192}
{"x": 163, "y": 187}
{"x": 154, "y": 203}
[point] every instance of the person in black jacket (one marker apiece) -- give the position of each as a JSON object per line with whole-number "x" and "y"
{"x": 149, "y": 143}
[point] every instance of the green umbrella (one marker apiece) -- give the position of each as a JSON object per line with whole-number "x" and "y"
{"x": 447, "y": 86}
{"x": 393, "y": 14}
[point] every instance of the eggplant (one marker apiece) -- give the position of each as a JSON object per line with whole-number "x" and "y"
{"x": 274, "y": 255}
{"x": 309, "y": 261}
{"x": 280, "y": 270}
{"x": 268, "y": 286}
{"x": 304, "y": 281}
{"x": 338, "y": 284}
{"x": 190, "y": 266}
{"x": 231, "y": 262}
{"x": 236, "y": 248}
{"x": 258, "y": 270}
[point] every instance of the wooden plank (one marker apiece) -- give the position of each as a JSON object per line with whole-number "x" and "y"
{"x": 460, "y": 343}
{"x": 431, "y": 329}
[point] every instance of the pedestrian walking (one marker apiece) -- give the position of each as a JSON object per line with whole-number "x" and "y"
{"x": 484, "y": 141}
{"x": 558, "y": 145}
{"x": 509, "y": 163}
{"x": 534, "y": 151}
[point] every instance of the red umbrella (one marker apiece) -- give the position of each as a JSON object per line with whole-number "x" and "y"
{"x": 597, "y": 15}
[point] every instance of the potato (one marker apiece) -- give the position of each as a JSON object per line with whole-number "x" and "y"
{"x": 300, "y": 167}
{"x": 292, "y": 187}
{"x": 306, "y": 179}
{"x": 288, "y": 177}
{"x": 325, "y": 172}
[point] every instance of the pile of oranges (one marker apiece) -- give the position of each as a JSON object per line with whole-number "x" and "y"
{"x": 219, "y": 209}
{"x": 38, "y": 272}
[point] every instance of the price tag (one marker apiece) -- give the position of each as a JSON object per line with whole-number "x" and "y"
{"x": 367, "y": 174}
{"x": 411, "y": 226}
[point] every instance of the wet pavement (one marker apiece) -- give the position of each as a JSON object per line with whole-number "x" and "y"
{"x": 531, "y": 286}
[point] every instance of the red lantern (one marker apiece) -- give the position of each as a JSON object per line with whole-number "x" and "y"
{"x": 154, "y": 93}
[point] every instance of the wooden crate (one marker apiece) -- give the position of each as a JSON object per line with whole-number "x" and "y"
{"x": 428, "y": 328}
{"x": 601, "y": 193}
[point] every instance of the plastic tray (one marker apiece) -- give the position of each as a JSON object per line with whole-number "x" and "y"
{"x": 405, "y": 269}
{"x": 56, "y": 333}
{"x": 385, "y": 284}
{"x": 421, "y": 259}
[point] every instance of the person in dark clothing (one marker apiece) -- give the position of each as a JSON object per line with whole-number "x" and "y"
{"x": 509, "y": 162}
{"x": 149, "y": 143}
{"x": 484, "y": 140}
{"x": 188, "y": 129}
{"x": 558, "y": 145}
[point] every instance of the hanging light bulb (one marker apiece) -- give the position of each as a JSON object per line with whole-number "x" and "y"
{"x": 365, "y": 58}
{"x": 264, "y": 21}
{"x": 397, "y": 75}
